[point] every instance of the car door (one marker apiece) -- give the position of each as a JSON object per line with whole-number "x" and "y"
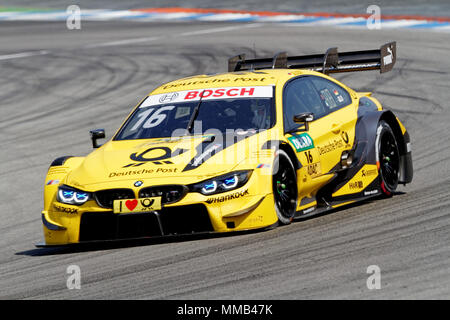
{"x": 335, "y": 128}
{"x": 319, "y": 149}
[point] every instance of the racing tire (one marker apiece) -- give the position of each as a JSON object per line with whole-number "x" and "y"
{"x": 284, "y": 186}
{"x": 388, "y": 158}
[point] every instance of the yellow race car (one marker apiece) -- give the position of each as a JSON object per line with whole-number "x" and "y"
{"x": 269, "y": 141}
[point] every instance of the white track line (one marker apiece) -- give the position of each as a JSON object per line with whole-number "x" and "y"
{"x": 122, "y": 42}
{"x": 216, "y": 30}
{"x": 23, "y": 55}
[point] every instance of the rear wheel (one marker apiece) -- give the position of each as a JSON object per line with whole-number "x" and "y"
{"x": 388, "y": 158}
{"x": 284, "y": 185}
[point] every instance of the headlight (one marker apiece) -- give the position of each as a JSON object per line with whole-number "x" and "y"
{"x": 223, "y": 183}
{"x": 70, "y": 195}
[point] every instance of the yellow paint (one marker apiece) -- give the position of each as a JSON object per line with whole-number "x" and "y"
{"x": 360, "y": 181}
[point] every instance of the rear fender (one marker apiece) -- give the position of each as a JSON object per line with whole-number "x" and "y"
{"x": 367, "y": 131}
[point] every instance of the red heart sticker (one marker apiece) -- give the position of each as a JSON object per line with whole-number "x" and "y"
{"x": 131, "y": 204}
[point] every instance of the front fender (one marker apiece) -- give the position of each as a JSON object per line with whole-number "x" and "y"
{"x": 56, "y": 174}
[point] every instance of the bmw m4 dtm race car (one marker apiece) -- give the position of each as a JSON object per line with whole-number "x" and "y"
{"x": 269, "y": 141}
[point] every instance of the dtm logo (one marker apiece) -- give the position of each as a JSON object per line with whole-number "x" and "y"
{"x": 302, "y": 142}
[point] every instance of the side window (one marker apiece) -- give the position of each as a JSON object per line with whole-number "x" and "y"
{"x": 332, "y": 95}
{"x": 300, "y": 95}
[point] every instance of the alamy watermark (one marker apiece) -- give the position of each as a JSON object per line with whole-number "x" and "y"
{"x": 73, "y": 21}
{"x": 374, "y": 280}
{"x": 373, "y": 22}
{"x": 74, "y": 278}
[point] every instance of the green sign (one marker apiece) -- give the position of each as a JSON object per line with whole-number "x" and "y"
{"x": 302, "y": 142}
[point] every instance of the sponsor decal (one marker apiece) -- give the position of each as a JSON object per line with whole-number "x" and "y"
{"x": 331, "y": 146}
{"x": 141, "y": 172}
{"x": 65, "y": 209}
{"x": 302, "y": 142}
{"x": 369, "y": 193}
{"x": 137, "y": 205}
{"x": 165, "y": 98}
{"x": 368, "y": 173}
{"x": 208, "y": 94}
{"x": 257, "y": 219}
{"x": 263, "y": 165}
{"x": 326, "y": 96}
{"x": 306, "y": 211}
{"x": 143, "y": 156}
{"x": 131, "y": 204}
{"x": 182, "y": 112}
{"x": 224, "y": 81}
{"x": 232, "y": 196}
{"x": 219, "y": 93}
{"x": 52, "y": 182}
{"x": 344, "y": 136}
{"x": 191, "y": 83}
{"x": 314, "y": 169}
{"x": 356, "y": 185}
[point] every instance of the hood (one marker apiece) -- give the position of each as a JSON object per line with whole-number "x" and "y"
{"x": 188, "y": 158}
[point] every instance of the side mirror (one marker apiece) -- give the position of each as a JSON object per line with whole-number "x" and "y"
{"x": 304, "y": 118}
{"x": 95, "y": 135}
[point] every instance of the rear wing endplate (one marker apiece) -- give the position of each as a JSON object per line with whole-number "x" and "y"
{"x": 382, "y": 59}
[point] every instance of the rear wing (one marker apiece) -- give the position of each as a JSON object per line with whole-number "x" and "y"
{"x": 382, "y": 59}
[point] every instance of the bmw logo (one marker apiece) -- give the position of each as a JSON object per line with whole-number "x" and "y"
{"x": 138, "y": 183}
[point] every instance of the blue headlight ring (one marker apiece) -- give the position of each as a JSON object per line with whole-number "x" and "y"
{"x": 209, "y": 187}
{"x": 230, "y": 183}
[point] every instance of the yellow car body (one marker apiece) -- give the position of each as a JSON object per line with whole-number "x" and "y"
{"x": 317, "y": 152}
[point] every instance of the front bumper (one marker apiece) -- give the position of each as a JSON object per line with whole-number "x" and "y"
{"x": 249, "y": 207}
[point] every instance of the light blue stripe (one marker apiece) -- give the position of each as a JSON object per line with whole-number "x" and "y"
{"x": 94, "y": 14}
{"x": 429, "y": 25}
{"x": 141, "y": 16}
{"x": 305, "y": 20}
{"x": 354, "y": 23}
{"x": 197, "y": 16}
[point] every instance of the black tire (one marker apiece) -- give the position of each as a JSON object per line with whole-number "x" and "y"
{"x": 284, "y": 186}
{"x": 388, "y": 157}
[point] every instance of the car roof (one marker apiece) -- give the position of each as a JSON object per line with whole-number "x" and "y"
{"x": 266, "y": 77}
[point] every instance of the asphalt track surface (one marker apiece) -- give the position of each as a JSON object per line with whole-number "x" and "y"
{"x": 57, "y": 84}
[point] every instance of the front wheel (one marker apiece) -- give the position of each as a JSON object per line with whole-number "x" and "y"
{"x": 388, "y": 158}
{"x": 284, "y": 185}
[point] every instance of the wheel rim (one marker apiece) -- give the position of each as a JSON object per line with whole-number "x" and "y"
{"x": 389, "y": 161}
{"x": 285, "y": 189}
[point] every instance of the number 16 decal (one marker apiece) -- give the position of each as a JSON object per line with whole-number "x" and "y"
{"x": 151, "y": 121}
{"x": 309, "y": 157}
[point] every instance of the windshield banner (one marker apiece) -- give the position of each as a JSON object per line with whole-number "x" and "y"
{"x": 208, "y": 94}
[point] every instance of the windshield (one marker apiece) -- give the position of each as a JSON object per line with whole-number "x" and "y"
{"x": 167, "y": 115}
